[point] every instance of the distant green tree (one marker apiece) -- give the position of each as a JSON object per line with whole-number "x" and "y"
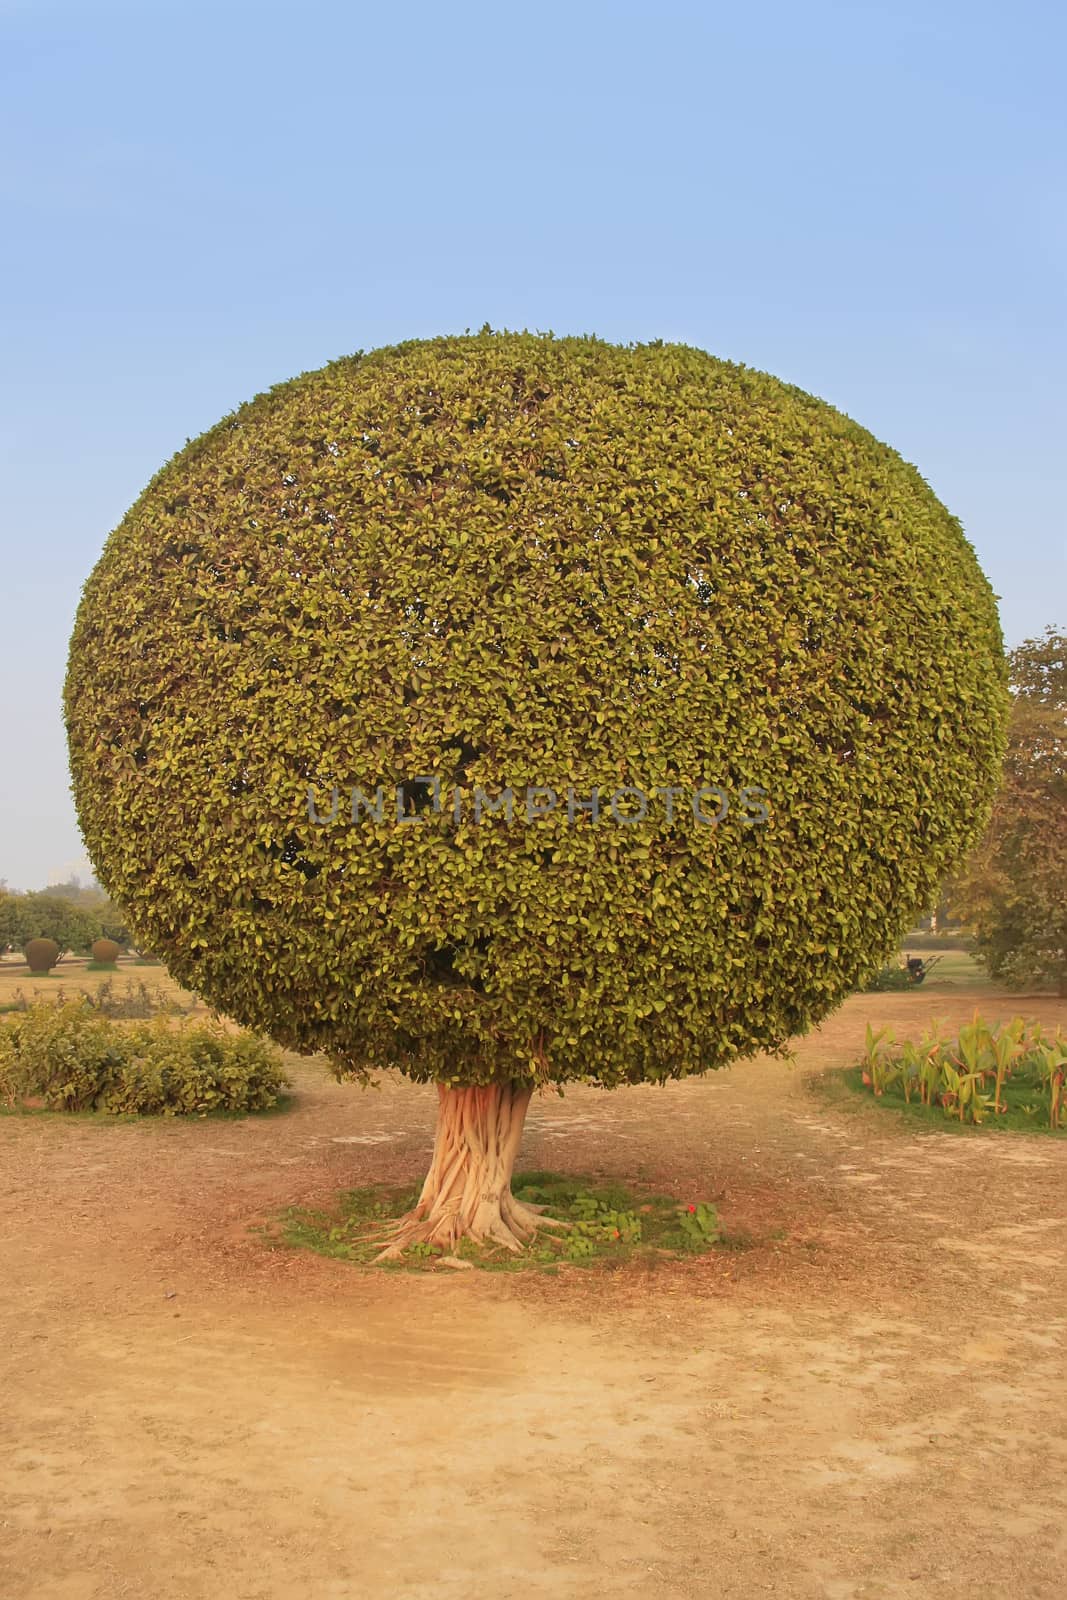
{"x": 73, "y": 889}
{"x": 113, "y": 923}
{"x": 1013, "y": 891}
{"x": 44, "y": 915}
{"x": 94, "y": 900}
{"x": 11, "y": 920}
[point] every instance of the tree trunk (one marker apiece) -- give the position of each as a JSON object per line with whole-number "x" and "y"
{"x": 467, "y": 1192}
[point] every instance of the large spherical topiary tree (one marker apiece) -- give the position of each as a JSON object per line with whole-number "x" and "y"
{"x": 513, "y": 710}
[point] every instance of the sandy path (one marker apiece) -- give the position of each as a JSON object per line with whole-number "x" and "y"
{"x": 868, "y": 1402}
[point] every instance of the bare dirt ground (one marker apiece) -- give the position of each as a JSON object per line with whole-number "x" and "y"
{"x": 867, "y": 1402}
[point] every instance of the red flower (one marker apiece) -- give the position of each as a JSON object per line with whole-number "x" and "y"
{"x": 692, "y": 1208}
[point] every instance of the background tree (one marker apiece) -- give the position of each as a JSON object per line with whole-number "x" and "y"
{"x": 1014, "y": 888}
{"x": 512, "y": 561}
{"x": 91, "y": 898}
{"x": 44, "y": 915}
{"x": 12, "y": 931}
{"x": 74, "y": 890}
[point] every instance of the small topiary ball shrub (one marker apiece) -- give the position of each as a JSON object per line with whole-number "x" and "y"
{"x": 105, "y": 953}
{"x": 70, "y": 1058}
{"x": 571, "y": 572}
{"x": 41, "y": 956}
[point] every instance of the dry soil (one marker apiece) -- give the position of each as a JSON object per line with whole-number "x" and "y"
{"x": 867, "y": 1401}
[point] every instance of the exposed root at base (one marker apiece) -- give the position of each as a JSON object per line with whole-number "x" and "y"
{"x": 467, "y": 1193}
{"x": 511, "y": 1224}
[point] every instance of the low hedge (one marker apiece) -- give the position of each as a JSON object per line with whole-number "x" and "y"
{"x": 71, "y": 1058}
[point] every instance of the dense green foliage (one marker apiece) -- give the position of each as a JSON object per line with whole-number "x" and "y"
{"x": 514, "y": 561}
{"x": 41, "y": 954}
{"x": 105, "y": 952}
{"x": 71, "y": 1057}
{"x": 1014, "y": 888}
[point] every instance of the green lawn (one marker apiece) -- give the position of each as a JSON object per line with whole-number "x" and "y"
{"x": 956, "y": 969}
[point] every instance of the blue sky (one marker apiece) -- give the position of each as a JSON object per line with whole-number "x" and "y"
{"x": 199, "y": 201}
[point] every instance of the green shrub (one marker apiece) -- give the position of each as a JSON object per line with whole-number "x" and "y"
{"x": 41, "y": 955}
{"x": 72, "y": 1058}
{"x": 62, "y": 1054}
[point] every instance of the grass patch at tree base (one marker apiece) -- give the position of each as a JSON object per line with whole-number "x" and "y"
{"x": 609, "y": 1224}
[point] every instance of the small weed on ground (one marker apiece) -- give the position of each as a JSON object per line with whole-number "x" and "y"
{"x": 134, "y": 1000}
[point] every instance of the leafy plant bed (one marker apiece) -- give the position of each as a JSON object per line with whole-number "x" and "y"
{"x": 914, "y": 1115}
{"x": 1011, "y": 1076}
{"x": 606, "y": 1224}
